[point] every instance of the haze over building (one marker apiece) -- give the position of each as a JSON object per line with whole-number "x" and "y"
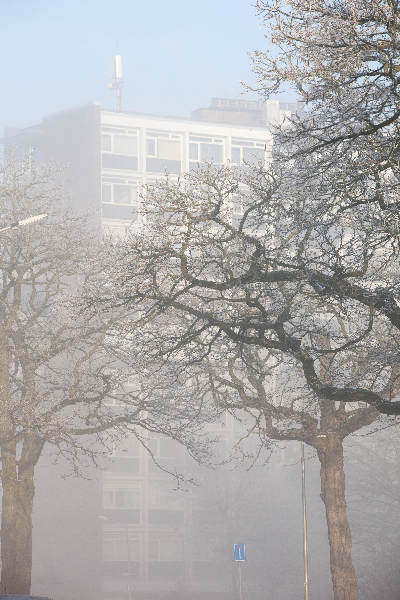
{"x": 147, "y": 530}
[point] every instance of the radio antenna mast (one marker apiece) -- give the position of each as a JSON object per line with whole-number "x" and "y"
{"x": 117, "y": 82}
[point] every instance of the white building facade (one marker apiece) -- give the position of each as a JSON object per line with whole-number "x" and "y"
{"x": 147, "y": 530}
{"x": 138, "y": 149}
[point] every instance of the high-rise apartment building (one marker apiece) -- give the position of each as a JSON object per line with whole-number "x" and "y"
{"x": 148, "y": 531}
{"x": 106, "y": 155}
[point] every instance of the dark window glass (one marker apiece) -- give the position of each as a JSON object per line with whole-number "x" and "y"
{"x": 160, "y": 165}
{"x": 124, "y": 213}
{"x": 118, "y": 161}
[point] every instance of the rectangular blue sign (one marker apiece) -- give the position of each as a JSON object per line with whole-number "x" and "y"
{"x": 239, "y": 552}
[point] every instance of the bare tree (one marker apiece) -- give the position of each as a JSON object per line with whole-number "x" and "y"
{"x": 342, "y": 62}
{"x": 307, "y": 271}
{"x": 281, "y": 409}
{"x": 286, "y": 277}
{"x": 373, "y": 474}
{"x": 61, "y": 381}
{"x": 208, "y": 292}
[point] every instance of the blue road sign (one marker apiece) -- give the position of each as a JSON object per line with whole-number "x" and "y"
{"x": 239, "y": 552}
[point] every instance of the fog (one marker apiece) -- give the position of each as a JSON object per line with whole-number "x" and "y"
{"x": 260, "y": 507}
{"x": 153, "y": 407}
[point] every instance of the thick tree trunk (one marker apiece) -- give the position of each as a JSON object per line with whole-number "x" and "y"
{"x": 8, "y": 519}
{"x": 25, "y": 495}
{"x": 333, "y": 495}
{"x": 16, "y": 520}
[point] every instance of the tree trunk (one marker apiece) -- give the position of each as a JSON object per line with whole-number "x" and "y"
{"x": 16, "y": 520}
{"x": 25, "y": 495}
{"x": 8, "y": 519}
{"x": 333, "y": 495}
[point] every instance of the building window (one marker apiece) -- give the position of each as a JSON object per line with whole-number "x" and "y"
{"x": 193, "y": 151}
{"x": 125, "y": 144}
{"x": 162, "y": 496}
{"x": 119, "y": 162}
{"x": 119, "y": 193}
{"x": 169, "y": 149}
{"x": 121, "y": 546}
{"x": 129, "y": 446}
{"x": 206, "y": 150}
{"x": 166, "y": 549}
{"x": 119, "y": 212}
{"x": 247, "y": 152}
{"x": 119, "y": 201}
{"x": 163, "y": 447}
{"x": 151, "y": 147}
{"x": 119, "y": 150}
{"x": 236, "y": 155}
{"x": 211, "y": 153}
{"x": 123, "y": 194}
{"x": 163, "y": 152}
{"x": 166, "y": 452}
{"x": 106, "y": 193}
{"x": 106, "y": 143}
{"x": 120, "y": 143}
{"x": 122, "y": 496}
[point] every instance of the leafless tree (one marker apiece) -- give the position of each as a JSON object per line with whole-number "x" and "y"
{"x": 62, "y": 381}
{"x": 297, "y": 262}
{"x": 253, "y": 297}
{"x": 373, "y": 474}
{"x": 280, "y": 408}
{"x": 342, "y": 62}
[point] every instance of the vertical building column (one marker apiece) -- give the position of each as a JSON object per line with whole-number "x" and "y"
{"x": 185, "y": 151}
{"x": 228, "y": 149}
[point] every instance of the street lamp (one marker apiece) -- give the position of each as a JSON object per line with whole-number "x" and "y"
{"x": 23, "y": 222}
{"x": 304, "y": 503}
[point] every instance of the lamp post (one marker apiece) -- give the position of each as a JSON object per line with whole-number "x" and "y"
{"x": 304, "y": 502}
{"x": 23, "y": 222}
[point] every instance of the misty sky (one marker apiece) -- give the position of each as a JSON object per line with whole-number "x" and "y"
{"x": 177, "y": 54}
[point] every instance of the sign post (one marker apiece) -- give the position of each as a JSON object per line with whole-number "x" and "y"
{"x": 239, "y": 552}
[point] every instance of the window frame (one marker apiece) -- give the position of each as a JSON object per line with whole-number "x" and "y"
{"x": 198, "y": 140}
{"x": 241, "y": 144}
{"x": 120, "y": 133}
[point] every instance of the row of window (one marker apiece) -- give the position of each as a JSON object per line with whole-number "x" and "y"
{"x": 129, "y": 495}
{"x": 120, "y": 201}
{"x": 126, "y": 546}
{"x": 164, "y": 151}
{"x": 160, "y": 447}
{"x": 157, "y": 518}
